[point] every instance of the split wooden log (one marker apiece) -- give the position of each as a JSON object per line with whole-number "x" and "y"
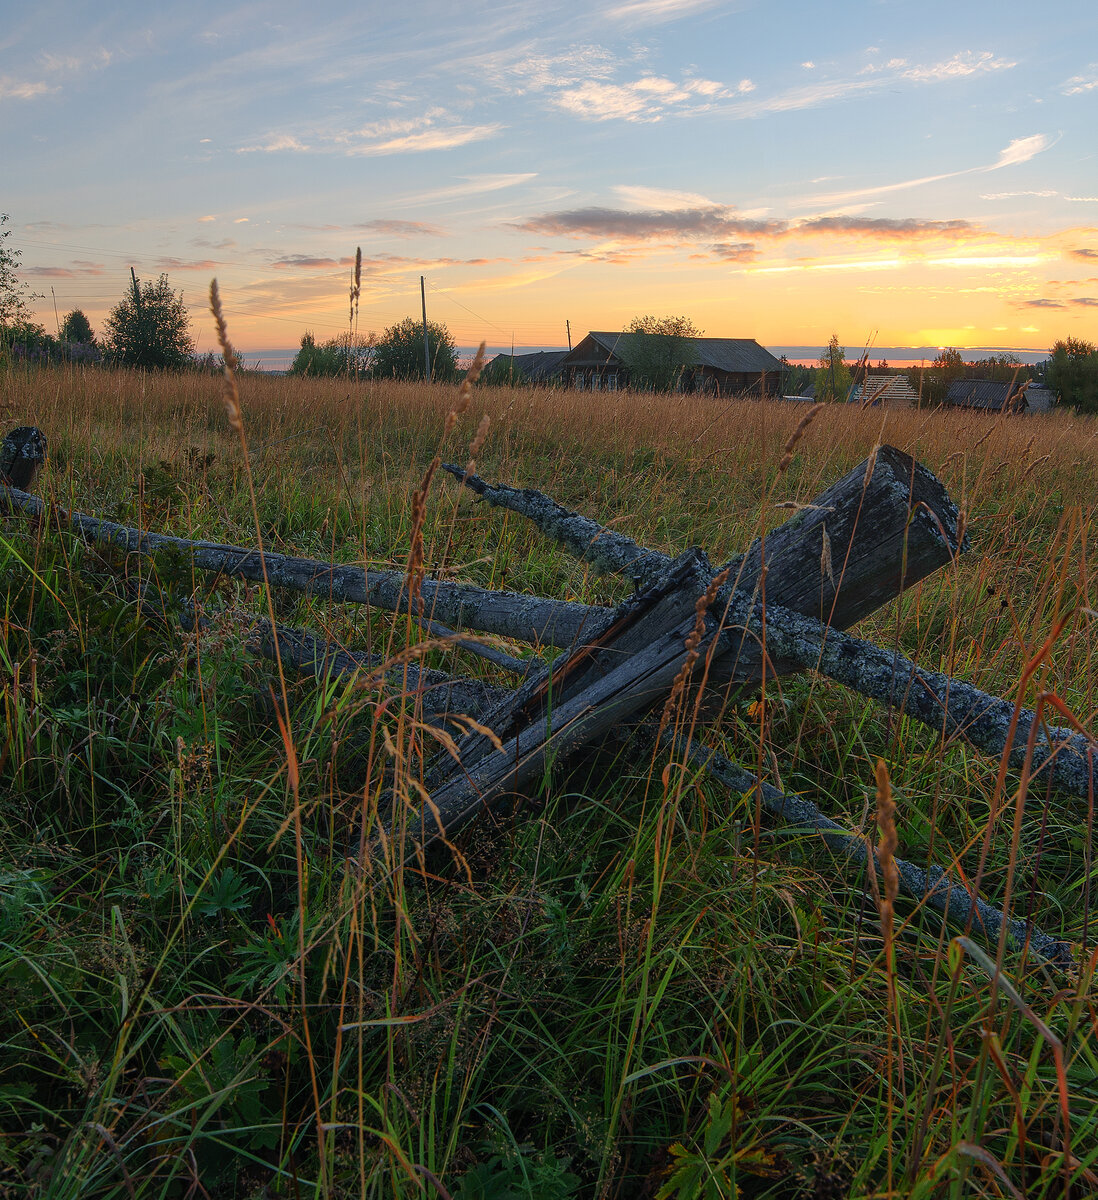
{"x": 441, "y": 694}
{"x": 895, "y": 524}
{"x": 883, "y": 527}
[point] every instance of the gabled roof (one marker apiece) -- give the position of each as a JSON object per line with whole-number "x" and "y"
{"x": 741, "y": 356}
{"x": 986, "y": 393}
{"x": 537, "y": 367}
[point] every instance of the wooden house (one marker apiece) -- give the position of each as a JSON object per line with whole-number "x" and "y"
{"x": 991, "y": 395}
{"x": 718, "y": 366}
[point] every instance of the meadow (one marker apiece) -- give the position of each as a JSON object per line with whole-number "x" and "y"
{"x": 639, "y": 986}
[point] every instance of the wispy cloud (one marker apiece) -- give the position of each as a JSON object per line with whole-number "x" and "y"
{"x": 1041, "y": 302}
{"x": 646, "y": 99}
{"x": 273, "y": 143}
{"x": 664, "y": 199}
{"x": 1084, "y": 252}
{"x": 15, "y": 89}
{"x": 714, "y": 221}
{"x": 1046, "y": 194}
{"x": 644, "y": 12}
{"x": 1078, "y": 85}
{"x": 726, "y": 225}
{"x": 183, "y": 264}
{"x": 1086, "y": 301}
{"x": 1020, "y": 150}
{"x": 960, "y": 66}
{"x": 76, "y": 271}
{"x": 433, "y": 130}
{"x": 474, "y": 185}
{"x": 872, "y": 77}
{"x": 429, "y": 139}
{"x": 390, "y": 227}
{"x": 71, "y": 64}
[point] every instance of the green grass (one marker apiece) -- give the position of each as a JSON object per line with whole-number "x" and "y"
{"x": 638, "y": 988}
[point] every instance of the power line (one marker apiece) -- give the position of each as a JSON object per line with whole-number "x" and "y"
{"x": 467, "y": 308}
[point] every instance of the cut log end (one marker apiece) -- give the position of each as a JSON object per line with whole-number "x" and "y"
{"x": 23, "y": 454}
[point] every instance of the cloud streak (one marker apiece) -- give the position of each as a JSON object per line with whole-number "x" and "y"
{"x": 1020, "y": 150}
{"x": 14, "y": 89}
{"x": 725, "y": 226}
{"x": 434, "y": 130}
{"x": 652, "y": 12}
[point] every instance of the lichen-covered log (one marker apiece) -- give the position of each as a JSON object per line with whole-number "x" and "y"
{"x": 528, "y": 618}
{"x": 439, "y": 693}
{"x": 609, "y": 552}
{"x": 884, "y": 526}
{"x": 955, "y": 708}
{"x": 932, "y": 885}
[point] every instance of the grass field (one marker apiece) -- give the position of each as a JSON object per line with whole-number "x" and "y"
{"x": 639, "y": 988}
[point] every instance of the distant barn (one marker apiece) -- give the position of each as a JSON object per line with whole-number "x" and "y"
{"x": 720, "y": 367}
{"x": 542, "y": 368}
{"x": 991, "y": 395}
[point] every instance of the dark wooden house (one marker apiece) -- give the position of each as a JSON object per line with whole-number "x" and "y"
{"x": 719, "y": 367}
{"x": 541, "y": 368}
{"x": 991, "y": 395}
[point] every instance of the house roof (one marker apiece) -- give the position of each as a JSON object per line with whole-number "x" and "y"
{"x": 986, "y": 393}
{"x": 538, "y": 367}
{"x": 742, "y": 356}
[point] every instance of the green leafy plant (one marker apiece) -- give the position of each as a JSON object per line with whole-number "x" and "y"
{"x": 708, "y": 1170}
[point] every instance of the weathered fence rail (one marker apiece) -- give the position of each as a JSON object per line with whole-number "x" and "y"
{"x": 692, "y": 632}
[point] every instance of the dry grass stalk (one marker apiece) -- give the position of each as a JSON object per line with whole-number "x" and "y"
{"x": 886, "y": 850}
{"x": 419, "y": 500}
{"x": 795, "y": 437}
{"x": 703, "y": 605}
{"x": 825, "y": 557}
{"x": 230, "y": 394}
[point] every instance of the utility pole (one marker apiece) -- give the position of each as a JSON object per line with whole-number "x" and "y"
{"x": 568, "y": 327}
{"x": 136, "y": 292}
{"x": 56, "y": 319}
{"x": 426, "y": 351}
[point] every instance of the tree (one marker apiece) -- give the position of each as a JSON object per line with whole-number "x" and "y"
{"x": 13, "y": 291}
{"x": 1072, "y": 373}
{"x": 149, "y": 327}
{"x": 1004, "y": 368}
{"x": 399, "y": 353}
{"x": 342, "y": 355}
{"x": 945, "y": 370}
{"x": 77, "y": 328}
{"x": 658, "y": 350}
{"x": 833, "y": 377}
{"x": 795, "y": 377}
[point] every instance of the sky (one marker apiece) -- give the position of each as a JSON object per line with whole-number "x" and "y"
{"x": 902, "y": 174}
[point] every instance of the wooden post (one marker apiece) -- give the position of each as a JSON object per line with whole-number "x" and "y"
{"x": 426, "y": 350}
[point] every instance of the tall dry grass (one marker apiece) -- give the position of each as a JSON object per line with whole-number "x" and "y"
{"x": 636, "y": 989}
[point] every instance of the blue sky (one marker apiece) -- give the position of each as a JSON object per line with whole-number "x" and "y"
{"x": 914, "y": 174}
